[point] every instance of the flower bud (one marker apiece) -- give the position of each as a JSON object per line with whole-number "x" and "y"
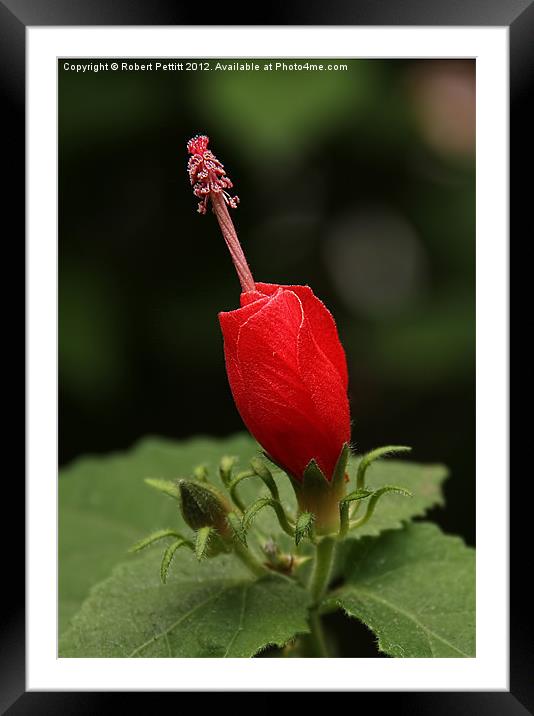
{"x": 288, "y": 375}
{"x": 204, "y": 506}
{"x": 286, "y": 366}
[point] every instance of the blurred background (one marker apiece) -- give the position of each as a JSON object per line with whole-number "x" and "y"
{"x": 360, "y": 183}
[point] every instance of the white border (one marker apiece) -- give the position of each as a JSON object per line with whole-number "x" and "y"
{"x": 489, "y": 670}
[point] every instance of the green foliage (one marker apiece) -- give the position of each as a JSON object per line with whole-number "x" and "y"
{"x": 207, "y": 609}
{"x": 413, "y": 586}
{"x": 415, "y": 589}
{"x": 105, "y": 506}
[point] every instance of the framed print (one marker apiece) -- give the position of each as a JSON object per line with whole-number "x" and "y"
{"x": 214, "y": 407}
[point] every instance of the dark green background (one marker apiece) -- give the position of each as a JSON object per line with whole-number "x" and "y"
{"x": 358, "y": 183}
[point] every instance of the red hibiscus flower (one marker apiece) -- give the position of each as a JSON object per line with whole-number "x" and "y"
{"x": 286, "y": 366}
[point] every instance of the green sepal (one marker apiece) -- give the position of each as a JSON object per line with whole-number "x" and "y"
{"x": 166, "y": 486}
{"x": 253, "y": 510}
{"x": 304, "y": 527}
{"x": 376, "y": 495}
{"x": 154, "y": 537}
{"x": 202, "y": 542}
{"x": 357, "y": 495}
{"x": 314, "y": 479}
{"x": 344, "y": 506}
{"x": 276, "y": 464}
{"x": 236, "y": 527}
{"x": 317, "y": 495}
{"x": 169, "y": 554}
{"x": 262, "y": 471}
{"x": 232, "y": 488}
{"x": 340, "y": 470}
{"x": 370, "y": 457}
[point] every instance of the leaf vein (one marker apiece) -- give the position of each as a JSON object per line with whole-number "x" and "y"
{"x": 428, "y": 632}
{"x": 240, "y": 623}
{"x": 178, "y": 621}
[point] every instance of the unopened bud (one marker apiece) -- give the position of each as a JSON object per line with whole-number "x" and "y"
{"x": 204, "y": 506}
{"x": 225, "y": 468}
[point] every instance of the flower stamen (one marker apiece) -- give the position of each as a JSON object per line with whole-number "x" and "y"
{"x": 209, "y": 181}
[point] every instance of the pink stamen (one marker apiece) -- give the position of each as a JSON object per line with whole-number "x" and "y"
{"x": 209, "y": 181}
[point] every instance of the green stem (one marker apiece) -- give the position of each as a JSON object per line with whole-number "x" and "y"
{"x": 317, "y": 640}
{"x": 248, "y": 559}
{"x": 322, "y": 568}
{"x": 319, "y": 580}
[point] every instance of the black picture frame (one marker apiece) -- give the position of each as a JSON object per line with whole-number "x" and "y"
{"x": 15, "y": 17}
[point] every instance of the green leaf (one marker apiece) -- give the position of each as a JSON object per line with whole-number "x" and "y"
{"x": 105, "y": 506}
{"x": 207, "y": 609}
{"x": 415, "y": 589}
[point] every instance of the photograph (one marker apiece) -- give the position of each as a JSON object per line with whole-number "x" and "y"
{"x": 266, "y": 357}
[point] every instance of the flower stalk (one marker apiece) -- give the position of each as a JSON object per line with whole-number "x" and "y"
{"x": 318, "y": 586}
{"x": 322, "y": 569}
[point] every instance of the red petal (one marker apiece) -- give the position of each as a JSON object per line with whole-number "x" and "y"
{"x": 272, "y": 398}
{"x": 329, "y": 396}
{"x": 286, "y": 388}
{"x": 231, "y": 322}
{"x": 321, "y": 322}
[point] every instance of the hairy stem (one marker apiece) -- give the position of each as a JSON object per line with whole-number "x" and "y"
{"x": 317, "y": 639}
{"x": 322, "y": 568}
{"x": 318, "y": 584}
